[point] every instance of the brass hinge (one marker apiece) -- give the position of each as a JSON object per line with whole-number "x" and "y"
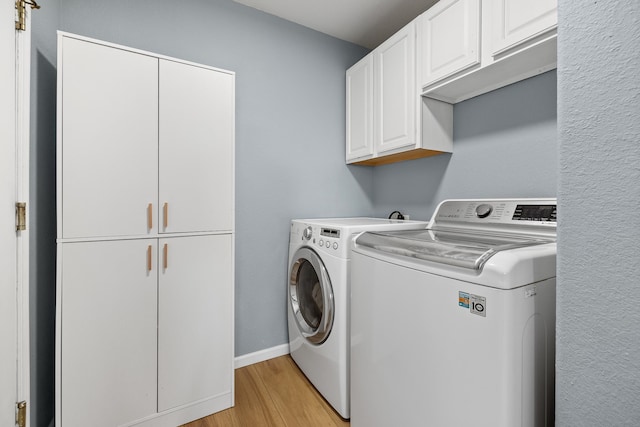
{"x": 21, "y": 8}
{"x": 21, "y": 414}
{"x": 21, "y": 216}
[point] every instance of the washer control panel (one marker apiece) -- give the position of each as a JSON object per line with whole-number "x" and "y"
{"x": 495, "y": 214}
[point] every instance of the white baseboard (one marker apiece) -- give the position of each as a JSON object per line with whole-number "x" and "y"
{"x": 261, "y": 356}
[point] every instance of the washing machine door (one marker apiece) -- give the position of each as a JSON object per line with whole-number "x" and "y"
{"x": 311, "y": 295}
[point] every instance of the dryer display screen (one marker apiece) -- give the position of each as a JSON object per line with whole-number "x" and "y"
{"x": 330, "y": 232}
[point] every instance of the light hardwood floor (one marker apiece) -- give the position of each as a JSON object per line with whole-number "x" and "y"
{"x": 274, "y": 393}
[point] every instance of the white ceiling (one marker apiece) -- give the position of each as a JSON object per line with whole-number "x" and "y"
{"x": 364, "y": 22}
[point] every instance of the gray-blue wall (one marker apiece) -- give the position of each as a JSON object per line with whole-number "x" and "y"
{"x": 598, "y": 339}
{"x": 504, "y": 145}
{"x": 290, "y": 138}
{"x": 289, "y": 146}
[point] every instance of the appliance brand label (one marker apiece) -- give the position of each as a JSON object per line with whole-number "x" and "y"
{"x": 478, "y": 305}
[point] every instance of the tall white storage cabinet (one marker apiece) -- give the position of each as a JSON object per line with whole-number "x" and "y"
{"x": 145, "y": 157}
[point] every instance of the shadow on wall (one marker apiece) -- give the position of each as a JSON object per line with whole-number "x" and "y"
{"x": 404, "y": 186}
{"x": 43, "y": 241}
{"x": 504, "y": 145}
{"x": 512, "y": 108}
{"x": 363, "y": 176}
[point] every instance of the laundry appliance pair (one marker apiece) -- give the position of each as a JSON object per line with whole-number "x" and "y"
{"x": 318, "y": 299}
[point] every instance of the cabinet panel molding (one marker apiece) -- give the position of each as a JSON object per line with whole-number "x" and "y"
{"x": 450, "y": 38}
{"x": 515, "y": 22}
{"x": 394, "y": 92}
{"x": 360, "y": 109}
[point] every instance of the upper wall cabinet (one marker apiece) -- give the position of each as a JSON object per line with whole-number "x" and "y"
{"x": 469, "y": 47}
{"x": 385, "y": 113}
{"x": 451, "y": 34}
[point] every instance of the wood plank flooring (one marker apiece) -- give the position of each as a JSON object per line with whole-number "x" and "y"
{"x": 274, "y": 393}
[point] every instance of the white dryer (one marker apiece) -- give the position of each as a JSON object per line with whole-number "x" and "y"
{"x": 455, "y": 325}
{"x": 318, "y": 299}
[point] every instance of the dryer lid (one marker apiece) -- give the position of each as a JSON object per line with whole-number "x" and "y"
{"x": 461, "y": 249}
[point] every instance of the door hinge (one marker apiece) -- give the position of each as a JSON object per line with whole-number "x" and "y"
{"x": 21, "y": 8}
{"x": 21, "y": 414}
{"x": 21, "y": 216}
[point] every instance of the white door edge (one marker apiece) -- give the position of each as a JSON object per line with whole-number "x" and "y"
{"x": 15, "y": 48}
{"x": 23, "y": 111}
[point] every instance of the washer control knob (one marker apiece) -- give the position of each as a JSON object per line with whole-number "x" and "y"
{"x": 484, "y": 210}
{"x": 307, "y": 233}
{"x": 335, "y": 245}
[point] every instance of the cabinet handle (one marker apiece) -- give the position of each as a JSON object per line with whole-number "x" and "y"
{"x": 165, "y": 250}
{"x": 165, "y": 214}
{"x": 150, "y": 215}
{"x": 149, "y": 260}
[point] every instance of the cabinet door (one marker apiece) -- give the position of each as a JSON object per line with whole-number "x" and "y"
{"x": 449, "y": 39}
{"x": 109, "y": 119}
{"x": 395, "y": 91}
{"x": 108, "y": 334}
{"x": 360, "y": 109}
{"x": 196, "y": 148}
{"x": 516, "y": 21}
{"x": 195, "y": 324}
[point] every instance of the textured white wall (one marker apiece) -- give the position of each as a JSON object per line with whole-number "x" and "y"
{"x": 598, "y": 335}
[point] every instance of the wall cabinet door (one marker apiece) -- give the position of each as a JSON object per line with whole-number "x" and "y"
{"x": 108, "y": 306}
{"x": 449, "y": 39}
{"x": 516, "y": 21}
{"x": 195, "y": 343}
{"x": 195, "y": 148}
{"x": 360, "y": 109}
{"x": 395, "y": 92}
{"x": 109, "y": 141}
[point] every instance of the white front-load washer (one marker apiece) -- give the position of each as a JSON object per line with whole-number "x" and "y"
{"x": 318, "y": 299}
{"x": 455, "y": 325}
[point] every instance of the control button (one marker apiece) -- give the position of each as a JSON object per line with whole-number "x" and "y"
{"x": 321, "y": 243}
{"x": 483, "y": 210}
{"x": 307, "y": 233}
{"x": 335, "y": 245}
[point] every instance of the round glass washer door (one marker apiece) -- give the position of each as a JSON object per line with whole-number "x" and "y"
{"x": 311, "y": 296}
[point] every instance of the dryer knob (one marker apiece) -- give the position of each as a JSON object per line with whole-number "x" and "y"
{"x": 307, "y": 233}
